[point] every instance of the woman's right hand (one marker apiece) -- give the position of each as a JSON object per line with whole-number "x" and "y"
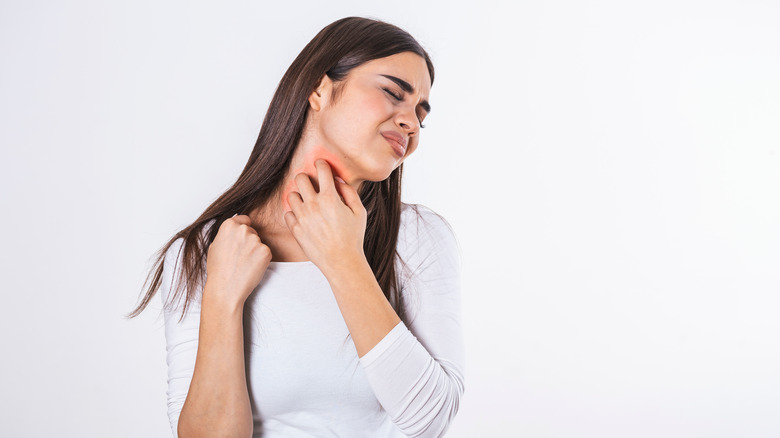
{"x": 236, "y": 261}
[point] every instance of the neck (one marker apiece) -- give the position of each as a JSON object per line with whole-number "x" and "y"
{"x": 308, "y": 150}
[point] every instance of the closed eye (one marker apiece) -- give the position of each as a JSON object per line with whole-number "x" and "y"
{"x": 396, "y": 96}
{"x": 400, "y": 98}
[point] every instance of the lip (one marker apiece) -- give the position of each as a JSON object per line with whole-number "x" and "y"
{"x": 397, "y": 141}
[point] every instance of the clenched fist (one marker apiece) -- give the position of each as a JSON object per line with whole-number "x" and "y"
{"x": 236, "y": 262}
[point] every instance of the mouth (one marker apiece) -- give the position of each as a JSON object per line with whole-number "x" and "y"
{"x": 396, "y": 141}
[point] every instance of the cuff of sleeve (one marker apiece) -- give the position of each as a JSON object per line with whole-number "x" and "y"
{"x": 390, "y": 338}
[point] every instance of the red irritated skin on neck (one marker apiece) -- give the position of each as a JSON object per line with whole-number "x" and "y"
{"x": 317, "y": 152}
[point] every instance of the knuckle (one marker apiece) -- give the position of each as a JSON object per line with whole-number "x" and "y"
{"x": 265, "y": 249}
{"x": 264, "y": 252}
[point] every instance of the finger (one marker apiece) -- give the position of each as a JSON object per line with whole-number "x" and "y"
{"x": 305, "y": 187}
{"x": 350, "y": 195}
{"x": 324, "y": 176}
{"x": 295, "y": 201}
{"x": 242, "y": 219}
{"x": 338, "y": 183}
{"x": 290, "y": 220}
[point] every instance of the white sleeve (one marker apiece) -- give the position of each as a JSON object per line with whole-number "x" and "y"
{"x": 417, "y": 372}
{"x": 181, "y": 338}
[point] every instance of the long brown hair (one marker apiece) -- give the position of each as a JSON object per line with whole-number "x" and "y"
{"x": 335, "y": 50}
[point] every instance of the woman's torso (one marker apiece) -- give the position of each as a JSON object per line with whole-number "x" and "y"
{"x": 303, "y": 372}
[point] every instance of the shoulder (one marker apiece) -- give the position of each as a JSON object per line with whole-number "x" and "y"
{"x": 174, "y": 272}
{"x": 417, "y": 218}
{"x": 423, "y": 231}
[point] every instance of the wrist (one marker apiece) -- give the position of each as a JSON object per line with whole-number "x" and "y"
{"x": 218, "y": 298}
{"x": 347, "y": 269}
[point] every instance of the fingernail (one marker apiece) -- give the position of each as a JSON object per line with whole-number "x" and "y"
{"x": 340, "y": 180}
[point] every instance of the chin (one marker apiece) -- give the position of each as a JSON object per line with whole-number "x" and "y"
{"x": 377, "y": 178}
{"x": 379, "y": 172}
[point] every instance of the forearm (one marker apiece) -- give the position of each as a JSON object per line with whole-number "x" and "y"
{"x": 366, "y": 312}
{"x": 217, "y": 402}
{"x": 420, "y": 394}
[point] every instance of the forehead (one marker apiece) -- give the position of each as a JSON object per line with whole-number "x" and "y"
{"x": 408, "y": 66}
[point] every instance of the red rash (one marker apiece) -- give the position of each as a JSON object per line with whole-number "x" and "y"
{"x": 316, "y": 153}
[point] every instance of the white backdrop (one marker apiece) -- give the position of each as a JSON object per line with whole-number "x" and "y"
{"x": 611, "y": 169}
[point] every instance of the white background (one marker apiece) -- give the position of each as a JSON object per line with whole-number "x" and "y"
{"x": 611, "y": 169}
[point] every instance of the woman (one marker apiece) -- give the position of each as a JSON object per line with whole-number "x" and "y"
{"x": 327, "y": 306}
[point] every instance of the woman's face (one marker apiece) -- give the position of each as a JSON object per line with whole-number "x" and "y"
{"x": 373, "y": 123}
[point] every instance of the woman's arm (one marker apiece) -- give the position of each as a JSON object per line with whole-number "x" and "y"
{"x": 207, "y": 390}
{"x": 217, "y": 403}
{"x": 366, "y": 311}
{"x": 417, "y": 373}
{"x": 206, "y": 382}
{"x": 418, "y": 382}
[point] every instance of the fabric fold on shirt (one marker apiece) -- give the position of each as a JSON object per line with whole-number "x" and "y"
{"x": 420, "y": 394}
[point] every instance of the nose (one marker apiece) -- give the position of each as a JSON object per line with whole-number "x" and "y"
{"x": 407, "y": 120}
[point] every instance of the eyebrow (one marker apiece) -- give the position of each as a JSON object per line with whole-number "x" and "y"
{"x": 407, "y": 87}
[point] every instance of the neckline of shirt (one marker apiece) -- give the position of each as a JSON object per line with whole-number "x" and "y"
{"x": 285, "y": 265}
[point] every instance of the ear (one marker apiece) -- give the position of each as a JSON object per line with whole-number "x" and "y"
{"x": 318, "y": 98}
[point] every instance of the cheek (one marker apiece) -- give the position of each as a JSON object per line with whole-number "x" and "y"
{"x": 339, "y": 127}
{"x": 412, "y": 147}
{"x": 352, "y": 115}
{"x": 376, "y": 108}
{"x": 355, "y": 120}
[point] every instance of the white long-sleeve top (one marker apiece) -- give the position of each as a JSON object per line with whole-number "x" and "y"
{"x": 304, "y": 376}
